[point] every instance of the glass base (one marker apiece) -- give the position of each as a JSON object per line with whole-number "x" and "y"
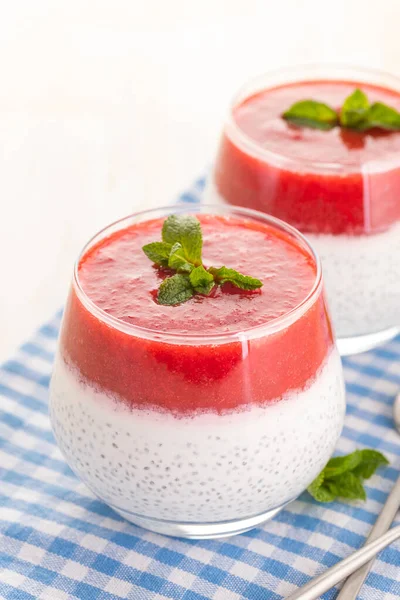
{"x": 362, "y": 343}
{"x": 199, "y": 530}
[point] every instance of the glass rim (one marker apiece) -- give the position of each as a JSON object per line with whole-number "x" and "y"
{"x": 303, "y": 73}
{"x": 257, "y": 331}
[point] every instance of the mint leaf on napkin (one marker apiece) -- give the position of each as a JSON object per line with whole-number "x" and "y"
{"x": 340, "y": 464}
{"x": 371, "y": 460}
{"x": 319, "y": 491}
{"x": 343, "y": 476}
{"x": 347, "y": 485}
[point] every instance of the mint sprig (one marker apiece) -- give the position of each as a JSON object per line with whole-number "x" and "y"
{"x": 356, "y": 113}
{"x": 343, "y": 476}
{"x": 181, "y": 250}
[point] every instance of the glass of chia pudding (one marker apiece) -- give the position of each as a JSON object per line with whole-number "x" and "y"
{"x": 204, "y": 416}
{"x": 338, "y": 185}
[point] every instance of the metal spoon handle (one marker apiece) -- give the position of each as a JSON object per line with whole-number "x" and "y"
{"x": 321, "y": 584}
{"x": 354, "y": 583}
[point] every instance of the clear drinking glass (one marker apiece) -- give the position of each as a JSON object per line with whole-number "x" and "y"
{"x": 359, "y": 239}
{"x": 266, "y": 406}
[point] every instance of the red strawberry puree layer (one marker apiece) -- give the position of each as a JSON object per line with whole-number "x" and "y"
{"x": 186, "y": 377}
{"x": 361, "y": 195}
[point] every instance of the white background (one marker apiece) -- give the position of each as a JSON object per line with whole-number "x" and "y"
{"x": 110, "y": 106}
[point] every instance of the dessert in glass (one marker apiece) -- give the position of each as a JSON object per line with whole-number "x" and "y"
{"x": 340, "y": 187}
{"x": 205, "y": 418}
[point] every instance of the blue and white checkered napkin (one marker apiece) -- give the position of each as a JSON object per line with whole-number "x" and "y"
{"x": 57, "y": 541}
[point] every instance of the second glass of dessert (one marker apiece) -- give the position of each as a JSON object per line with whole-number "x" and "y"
{"x": 337, "y": 181}
{"x": 197, "y": 387}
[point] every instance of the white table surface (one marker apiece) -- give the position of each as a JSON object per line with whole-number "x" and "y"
{"x": 108, "y": 107}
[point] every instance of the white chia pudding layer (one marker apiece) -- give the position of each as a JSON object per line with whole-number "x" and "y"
{"x": 361, "y": 275}
{"x": 203, "y": 468}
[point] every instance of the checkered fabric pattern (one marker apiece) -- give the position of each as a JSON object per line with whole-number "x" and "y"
{"x": 57, "y": 541}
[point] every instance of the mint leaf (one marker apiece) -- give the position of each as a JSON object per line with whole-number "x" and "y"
{"x": 343, "y": 475}
{"x": 308, "y": 113}
{"x": 158, "y": 252}
{"x": 348, "y": 485}
{"x": 383, "y": 116}
{"x": 371, "y": 460}
{"x": 244, "y": 282}
{"x": 319, "y": 491}
{"x": 177, "y": 260}
{"x": 175, "y": 290}
{"x": 354, "y": 111}
{"x": 186, "y": 230}
{"x": 201, "y": 280}
{"x": 340, "y": 464}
